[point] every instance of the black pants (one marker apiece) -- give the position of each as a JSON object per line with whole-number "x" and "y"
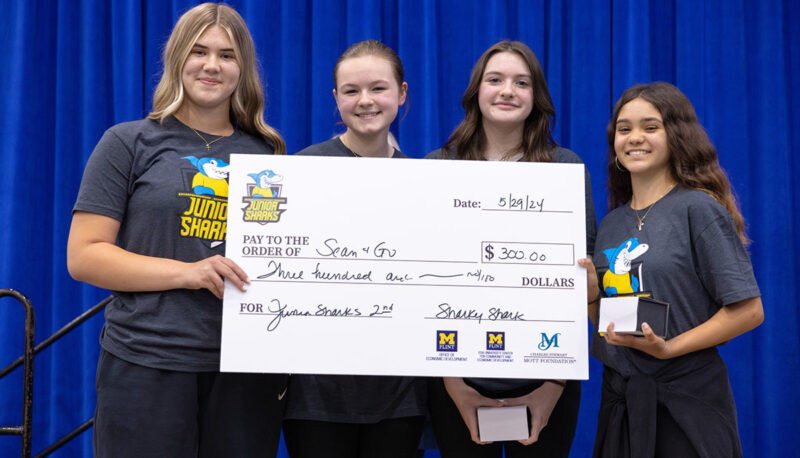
{"x": 146, "y": 412}
{"x": 391, "y": 438}
{"x": 453, "y": 438}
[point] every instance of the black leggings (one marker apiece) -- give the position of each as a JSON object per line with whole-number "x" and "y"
{"x": 391, "y": 438}
{"x": 149, "y": 412}
{"x": 454, "y": 441}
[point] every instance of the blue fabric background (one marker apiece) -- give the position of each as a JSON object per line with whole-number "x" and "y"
{"x": 75, "y": 67}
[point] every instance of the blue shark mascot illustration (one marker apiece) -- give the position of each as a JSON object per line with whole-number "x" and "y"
{"x": 210, "y": 176}
{"x": 618, "y": 278}
{"x": 263, "y": 180}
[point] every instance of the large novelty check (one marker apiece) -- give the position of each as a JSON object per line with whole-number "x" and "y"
{"x": 406, "y": 267}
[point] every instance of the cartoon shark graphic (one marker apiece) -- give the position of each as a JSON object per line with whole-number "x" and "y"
{"x": 618, "y": 278}
{"x": 263, "y": 179}
{"x": 210, "y": 176}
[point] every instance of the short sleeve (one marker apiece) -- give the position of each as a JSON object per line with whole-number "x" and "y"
{"x": 106, "y": 180}
{"x": 722, "y": 262}
{"x": 565, "y": 156}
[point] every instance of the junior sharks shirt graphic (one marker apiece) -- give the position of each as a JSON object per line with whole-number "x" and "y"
{"x": 211, "y": 176}
{"x": 623, "y": 274}
{"x": 206, "y": 214}
{"x": 263, "y": 198}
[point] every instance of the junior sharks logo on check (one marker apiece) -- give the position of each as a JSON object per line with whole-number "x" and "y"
{"x": 263, "y": 198}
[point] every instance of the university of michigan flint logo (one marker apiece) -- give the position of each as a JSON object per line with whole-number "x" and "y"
{"x": 446, "y": 340}
{"x": 263, "y": 198}
{"x": 495, "y": 340}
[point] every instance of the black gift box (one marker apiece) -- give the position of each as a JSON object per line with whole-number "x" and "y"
{"x": 648, "y": 310}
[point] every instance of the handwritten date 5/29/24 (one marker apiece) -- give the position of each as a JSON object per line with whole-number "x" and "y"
{"x": 506, "y": 202}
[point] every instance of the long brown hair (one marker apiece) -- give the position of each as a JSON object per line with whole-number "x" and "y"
{"x": 468, "y": 139}
{"x": 693, "y": 160}
{"x": 247, "y": 101}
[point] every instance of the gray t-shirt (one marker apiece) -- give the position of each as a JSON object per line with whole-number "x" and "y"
{"x": 335, "y": 148}
{"x": 352, "y": 398}
{"x": 687, "y": 253}
{"x": 170, "y": 195}
{"x": 562, "y": 156}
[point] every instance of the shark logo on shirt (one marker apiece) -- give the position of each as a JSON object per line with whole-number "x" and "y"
{"x": 207, "y": 212}
{"x": 618, "y": 279}
{"x": 211, "y": 177}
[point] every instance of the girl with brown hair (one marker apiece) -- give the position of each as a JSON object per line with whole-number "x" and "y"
{"x": 509, "y": 117}
{"x": 351, "y": 416}
{"x": 674, "y": 233}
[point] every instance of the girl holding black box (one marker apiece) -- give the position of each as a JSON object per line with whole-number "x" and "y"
{"x": 675, "y": 233}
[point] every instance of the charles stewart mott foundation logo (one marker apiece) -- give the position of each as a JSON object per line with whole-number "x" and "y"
{"x": 446, "y": 340}
{"x": 495, "y": 340}
{"x": 263, "y": 198}
{"x": 549, "y": 341}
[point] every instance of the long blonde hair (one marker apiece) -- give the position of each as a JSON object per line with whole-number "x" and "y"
{"x": 247, "y": 101}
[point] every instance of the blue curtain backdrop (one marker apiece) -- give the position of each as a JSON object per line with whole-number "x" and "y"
{"x": 76, "y": 67}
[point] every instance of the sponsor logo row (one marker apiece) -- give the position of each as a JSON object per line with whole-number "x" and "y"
{"x": 495, "y": 341}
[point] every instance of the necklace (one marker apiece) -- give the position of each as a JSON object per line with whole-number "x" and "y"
{"x": 208, "y": 143}
{"x": 640, "y": 219}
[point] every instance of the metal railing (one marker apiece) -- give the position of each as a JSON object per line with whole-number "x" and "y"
{"x": 23, "y": 430}
{"x": 27, "y": 360}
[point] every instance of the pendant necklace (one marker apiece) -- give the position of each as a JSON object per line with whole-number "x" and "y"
{"x": 640, "y": 219}
{"x": 208, "y": 143}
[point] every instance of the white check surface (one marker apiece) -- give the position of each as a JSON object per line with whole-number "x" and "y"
{"x": 406, "y": 267}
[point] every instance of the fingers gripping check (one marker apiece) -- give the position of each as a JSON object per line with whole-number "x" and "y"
{"x": 211, "y": 273}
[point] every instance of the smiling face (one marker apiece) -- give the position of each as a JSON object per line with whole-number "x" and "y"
{"x": 505, "y": 95}
{"x": 640, "y": 140}
{"x": 211, "y": 72}
{"x": 368, "y": 95}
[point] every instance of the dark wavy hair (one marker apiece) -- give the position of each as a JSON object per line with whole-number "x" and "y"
{"x": 693, "y": 160}
{"x": 468, "y": 139}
